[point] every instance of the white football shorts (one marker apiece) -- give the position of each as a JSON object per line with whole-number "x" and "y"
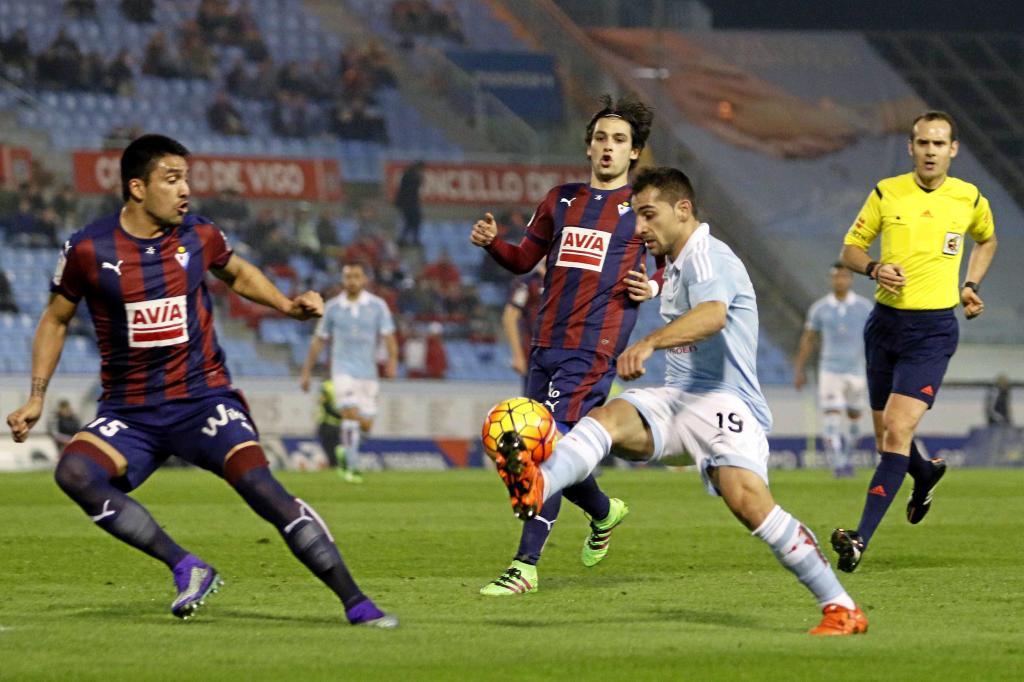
{"x": 715, "y": 429}
{"x": 358, "y": 393}
{"x": 842, "y": 391}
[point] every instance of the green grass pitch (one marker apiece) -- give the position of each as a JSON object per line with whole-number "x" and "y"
{"x": 685, "y": 593}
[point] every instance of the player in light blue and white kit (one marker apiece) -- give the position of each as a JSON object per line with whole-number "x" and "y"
{"x": 838, "y": 321}
{"x": 711, "y": 406}
{"x": 356, "y": 322}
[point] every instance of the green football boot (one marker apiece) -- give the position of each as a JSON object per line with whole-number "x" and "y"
{"x": 518, "y": 578}
{"x": 595, "y": 547}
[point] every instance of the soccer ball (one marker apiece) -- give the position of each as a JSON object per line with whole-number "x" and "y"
{"x": 519, "y": 424}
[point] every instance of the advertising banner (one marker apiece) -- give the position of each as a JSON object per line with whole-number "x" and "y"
{"x": 254, "y": 177}
{"x": 486, "y": 184}
{"x": 15, "y": 163}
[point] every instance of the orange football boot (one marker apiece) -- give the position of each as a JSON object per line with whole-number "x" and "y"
{"x": 839, "y": 620}
{"x": 521, "y": 475}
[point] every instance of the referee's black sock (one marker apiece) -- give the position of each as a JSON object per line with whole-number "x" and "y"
{"x": 921, "y": 468}
{"x": 886, "y": 482}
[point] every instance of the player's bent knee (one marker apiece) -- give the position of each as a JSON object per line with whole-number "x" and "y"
{"x": 242, "y": 460}
{"x": 79, "y": 468}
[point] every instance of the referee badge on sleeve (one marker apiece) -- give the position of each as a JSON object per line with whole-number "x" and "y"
{"x": 952, "y": 243}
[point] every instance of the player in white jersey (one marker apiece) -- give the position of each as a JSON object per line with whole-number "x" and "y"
{"x": 355, "y": 321}
{"x": 837, "y": 321}
{"x": 711, "y": 405}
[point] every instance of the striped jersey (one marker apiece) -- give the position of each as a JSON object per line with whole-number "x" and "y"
{"x": 525, "y": 296}
{"x": 150, "y": 308}
{"x": 590, "y": 236}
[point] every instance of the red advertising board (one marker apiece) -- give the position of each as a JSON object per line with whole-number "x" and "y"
{"x": 484, "y": 183}
{"x": 255, "y": 177}
{"x": 15, "y": 165}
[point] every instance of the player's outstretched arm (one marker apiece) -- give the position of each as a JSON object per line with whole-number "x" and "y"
{"x": 46, "y": 349}
{"x": 704, "y": 320}
{"x": 517, "y": 259}
{"x": 246, "y": 280}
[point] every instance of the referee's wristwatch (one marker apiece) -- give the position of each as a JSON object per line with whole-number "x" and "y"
{"x": 973, "y": 286}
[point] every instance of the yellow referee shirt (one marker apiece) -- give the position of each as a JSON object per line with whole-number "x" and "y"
{"x": 924, "y": 232}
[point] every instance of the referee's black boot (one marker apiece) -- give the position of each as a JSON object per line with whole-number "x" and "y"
{"x": 921, "y": 498}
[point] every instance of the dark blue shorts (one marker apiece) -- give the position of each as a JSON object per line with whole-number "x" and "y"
{"x": 569, "y": 382}
{"x": 202, "y": 431}
{"x": 908, "y": 352}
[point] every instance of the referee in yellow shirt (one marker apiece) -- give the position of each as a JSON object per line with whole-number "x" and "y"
{"x": 912, "y": 332}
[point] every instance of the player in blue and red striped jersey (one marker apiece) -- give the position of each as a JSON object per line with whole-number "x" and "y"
{"x": 166, "y": 389}
{"x": 520, "y": 315}
{"x": 594, "y": 283}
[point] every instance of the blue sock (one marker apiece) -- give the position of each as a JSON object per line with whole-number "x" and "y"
{"x": 589, "y": 497}
{"x": 536, "y": 531}
{"x": 886, "y": 482}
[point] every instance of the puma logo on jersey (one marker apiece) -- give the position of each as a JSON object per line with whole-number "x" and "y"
{"x": 583, "y": 247}
{"x": 111, "y": 266}
{"x": 568, "y": 202}
{"x": 160, "y": 322}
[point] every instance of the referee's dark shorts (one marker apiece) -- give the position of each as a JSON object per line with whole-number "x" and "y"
{"x": 907, "y": 352}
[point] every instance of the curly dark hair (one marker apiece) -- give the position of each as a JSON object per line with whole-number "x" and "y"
{"x": 638, "y": 115}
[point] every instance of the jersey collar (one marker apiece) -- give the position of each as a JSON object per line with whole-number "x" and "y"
{"x": 364, "y": 297}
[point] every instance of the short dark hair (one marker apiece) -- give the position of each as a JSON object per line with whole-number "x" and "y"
{"x": 936, "y": 115}
{"x": 638, "y": 115}
{"x": 671, "y": 182}
{"x": 355, "y": 263}
{"x": 141, "y": 156}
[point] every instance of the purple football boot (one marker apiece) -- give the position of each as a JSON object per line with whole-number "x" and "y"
{"x": 367, "y": 614}
{"x": 195, "y": 580}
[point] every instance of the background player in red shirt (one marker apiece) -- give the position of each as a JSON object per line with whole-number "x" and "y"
{"x": 593, "y": 286}
{"x": 166, "y": 389}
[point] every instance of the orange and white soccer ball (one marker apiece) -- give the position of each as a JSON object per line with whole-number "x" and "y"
{"x": 524, "y": 422}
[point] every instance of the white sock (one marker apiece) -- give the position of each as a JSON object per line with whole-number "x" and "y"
{"x": 576, "y": 455}
{"x": 797, "y": 549}
{"x": 350, "y": 439}
{"x": 852, "y": 436}
{"x": 833, "y": 438}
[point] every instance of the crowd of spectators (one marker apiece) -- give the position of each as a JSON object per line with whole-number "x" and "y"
{"x": 426, "y": 297}
{"x": 62, "y": 65}
{"x": 305, "y": 99}
{"x": 420, "y": 18}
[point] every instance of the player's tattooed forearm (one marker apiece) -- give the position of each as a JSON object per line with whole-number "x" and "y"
{"x": 39, "y": 385}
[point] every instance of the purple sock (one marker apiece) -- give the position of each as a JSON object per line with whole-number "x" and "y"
{"x": 886, "y": 482}
{"x": 589, "y": 497}
{"x": 537, "y": 530}
{"x": 363, "y": 611}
